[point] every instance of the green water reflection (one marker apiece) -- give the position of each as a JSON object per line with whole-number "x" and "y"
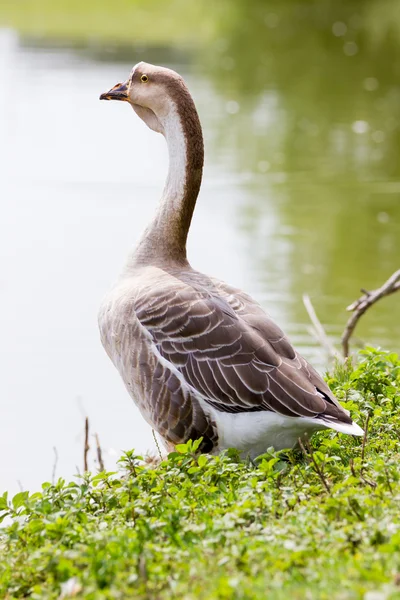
{"x": 318, "y": 100}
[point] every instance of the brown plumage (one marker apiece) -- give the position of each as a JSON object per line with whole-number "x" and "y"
{"x": 200, "y": 358}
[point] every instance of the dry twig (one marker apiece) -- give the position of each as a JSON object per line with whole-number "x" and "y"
{"x": 86, "y": 446}
{"x": 99, "y": 454}
{"x": 53, "y": 476}
{"x": 316, "y": 466}
{"x": 156, "y": 443}
{"x": 364, "y": 479}
{"x": 360, "y": 306}
{"x": 364, "y": 443}
{"x": 318, "y": 330}
{"x": 365, "y": 438}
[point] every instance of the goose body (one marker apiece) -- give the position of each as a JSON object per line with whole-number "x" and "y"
{"x": 199, "y": 357}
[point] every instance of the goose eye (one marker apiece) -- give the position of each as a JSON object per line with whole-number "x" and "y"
{"x": 144, "y": 79}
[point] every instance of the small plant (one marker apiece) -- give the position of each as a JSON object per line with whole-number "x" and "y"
{"x": 322, "y": 522}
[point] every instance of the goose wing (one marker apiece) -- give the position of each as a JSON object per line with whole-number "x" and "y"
{"x": 230, "y": 352}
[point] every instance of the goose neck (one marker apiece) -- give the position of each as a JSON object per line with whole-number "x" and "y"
{"x": 165, "y": 238}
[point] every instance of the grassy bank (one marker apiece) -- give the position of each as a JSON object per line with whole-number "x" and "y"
{"x": 319, "y": 524}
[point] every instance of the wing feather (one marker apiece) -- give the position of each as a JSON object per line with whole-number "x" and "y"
{"x": 229, "y": 351}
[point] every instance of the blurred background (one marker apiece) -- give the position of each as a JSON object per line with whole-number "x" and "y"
{"x": 300, "y": 104}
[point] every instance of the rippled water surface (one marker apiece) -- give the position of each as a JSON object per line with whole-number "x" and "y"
{"x": 301, "y": 194}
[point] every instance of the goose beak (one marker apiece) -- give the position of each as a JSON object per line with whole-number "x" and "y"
{"x": 118, "y": 92}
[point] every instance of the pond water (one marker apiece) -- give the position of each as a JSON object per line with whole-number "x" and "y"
{"x": 301, "y": 194}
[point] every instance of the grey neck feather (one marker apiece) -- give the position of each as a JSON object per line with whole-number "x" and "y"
{"x": 164, "y": 240}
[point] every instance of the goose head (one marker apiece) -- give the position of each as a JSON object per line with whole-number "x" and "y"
{"x": 153, "y": 93}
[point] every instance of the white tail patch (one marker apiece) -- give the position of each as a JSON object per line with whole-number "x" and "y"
{"x": 349, "y": 428}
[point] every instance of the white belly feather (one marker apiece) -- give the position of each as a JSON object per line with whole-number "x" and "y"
{"x": 253, "y": 433}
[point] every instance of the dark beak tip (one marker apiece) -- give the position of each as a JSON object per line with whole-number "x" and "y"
{"x": 118, "y": 92}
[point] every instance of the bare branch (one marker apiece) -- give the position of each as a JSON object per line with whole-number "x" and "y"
{"x": 360, "y": 306}
{"x": 316, "y": 466}
{"x": 318, "y": 330}
{"x": 86, "y": 447}
{"x": 157, "y": 444}
{"x": 99, "y": 454}
{"x": 364, "y": 442}
{"x": 353, "y": 472}
{"x": 53, "y": 476}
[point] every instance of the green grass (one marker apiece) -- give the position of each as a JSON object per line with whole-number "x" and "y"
{"x": 321, "y": 525}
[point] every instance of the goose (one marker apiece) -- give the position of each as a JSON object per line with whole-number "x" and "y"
{"x": 200, "y": 358}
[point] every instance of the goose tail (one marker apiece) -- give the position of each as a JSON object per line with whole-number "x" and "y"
{"x": 349, "y": 428}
